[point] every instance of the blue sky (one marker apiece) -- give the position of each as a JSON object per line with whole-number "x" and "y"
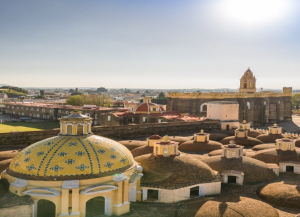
{"x": 147, "y": 44}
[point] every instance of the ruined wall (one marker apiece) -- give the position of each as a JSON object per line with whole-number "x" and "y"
{"x": 262, "y": 109}
{"x": 23, "y": 139}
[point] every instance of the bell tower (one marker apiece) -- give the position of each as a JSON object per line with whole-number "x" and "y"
{"x": 248, "y": 82}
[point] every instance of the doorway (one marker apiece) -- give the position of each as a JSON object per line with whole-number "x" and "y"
{"x": 232, "y": 179}
{"x": 290, "y": 169}
{"x": 227, "y": 127}
{"x": 95, "y": 207}
{"x": 152, "y": 195}
{"x": 194, "y": 192}
{"x": 45, "y": 208}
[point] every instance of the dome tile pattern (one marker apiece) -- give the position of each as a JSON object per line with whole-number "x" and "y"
{"x": 71, "y": 157}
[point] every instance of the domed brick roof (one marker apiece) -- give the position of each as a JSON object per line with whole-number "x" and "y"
{"x": 145, "y": 149}
{"x": 263, "y": 146}
{"x": 269, "y": 138}
{"x": 132, "y": 144}
{"x": 245, "y": 141}
{"x": 67, "y": 157}
{"x": 274, "y": 155}
{"x": 255, "y": 171}
{"x": 282, "y": 194}
{"x": 198, "y": 147}
{"x": 174, "y": 172}
{"x": 243, "y": 206}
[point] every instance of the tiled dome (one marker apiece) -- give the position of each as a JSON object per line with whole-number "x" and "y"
{"x": 71, "y": 157}
{"x": 146, "y": 107}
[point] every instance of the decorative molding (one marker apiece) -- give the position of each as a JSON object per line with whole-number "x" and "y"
{"x": 119, "y": 177}
{"x": 47, "y": 192}
{"x": 72, "y": 184}
{"x": 20, "y": 183}
{"x": 96, "y": 189}
{"x": 138, "y": 168}
{"x": 134, "y": 177}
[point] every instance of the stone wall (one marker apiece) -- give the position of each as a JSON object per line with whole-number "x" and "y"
{"x": 126, "y": 131}
{"x": 262, "y": 110}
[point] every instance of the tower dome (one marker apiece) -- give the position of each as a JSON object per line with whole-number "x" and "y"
{"x": 248, "y": 82}
{"x": 147, "y": 107}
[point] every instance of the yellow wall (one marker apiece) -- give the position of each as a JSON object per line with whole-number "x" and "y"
{"x": 151, "y": 142}
{"x": 162, "y": 147}
{"x": 118, "y": 197}
{"x": 284, "y": 145}
{"x": 201, "y": 138}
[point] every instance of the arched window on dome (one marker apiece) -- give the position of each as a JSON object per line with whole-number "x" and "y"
{"x": 80, "y": 129}
{"x": 69, "y": 129}
{"x": 87, "y": 128}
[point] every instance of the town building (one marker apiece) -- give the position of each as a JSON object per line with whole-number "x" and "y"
{"x": 54, "y": 111}
{"x": 143, "y": 113}
{"x": 258, "y": 108}
{"x": 3, "y": 96}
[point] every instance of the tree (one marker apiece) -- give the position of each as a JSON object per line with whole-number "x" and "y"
{"x": 76, "y": 93}
{"x": 42, "y": 93}
{"x": 101, "y": 89}
{"x": 16, "y": 89}
{"x": 98, "y": 100}
{"x": 296, "y": 100}
{"x": 71, "y": 91}
{"x": 161, "y": 95}
{"x": 147, "y": 91}
{"x": 76, "y": 90}
{"x": 75, "y": 100}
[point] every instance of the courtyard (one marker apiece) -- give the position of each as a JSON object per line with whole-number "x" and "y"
{"x": 6, "y": 125}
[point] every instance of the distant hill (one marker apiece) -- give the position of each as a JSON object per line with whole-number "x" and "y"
{"x": 13, "y": 91}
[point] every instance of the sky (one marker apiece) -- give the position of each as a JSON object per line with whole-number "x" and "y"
{"x": 149, "y": 43}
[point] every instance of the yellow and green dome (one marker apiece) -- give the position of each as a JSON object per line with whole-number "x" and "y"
{"x": 67, "y": 157}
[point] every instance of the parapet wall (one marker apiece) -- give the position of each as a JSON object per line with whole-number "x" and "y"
{"x": 229, "y": 95}
{"x": 126, "y": 131}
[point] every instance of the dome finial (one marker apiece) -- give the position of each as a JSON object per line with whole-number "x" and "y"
{"x": 165, "y": 139}
{"x": 232, "y": 143}
{"x": 75, "y": 112}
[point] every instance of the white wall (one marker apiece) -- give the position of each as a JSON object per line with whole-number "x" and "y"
{"x": 171, "y": 196}
{"x": 223, "y": 112}
{"x": 282, "y": 167}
